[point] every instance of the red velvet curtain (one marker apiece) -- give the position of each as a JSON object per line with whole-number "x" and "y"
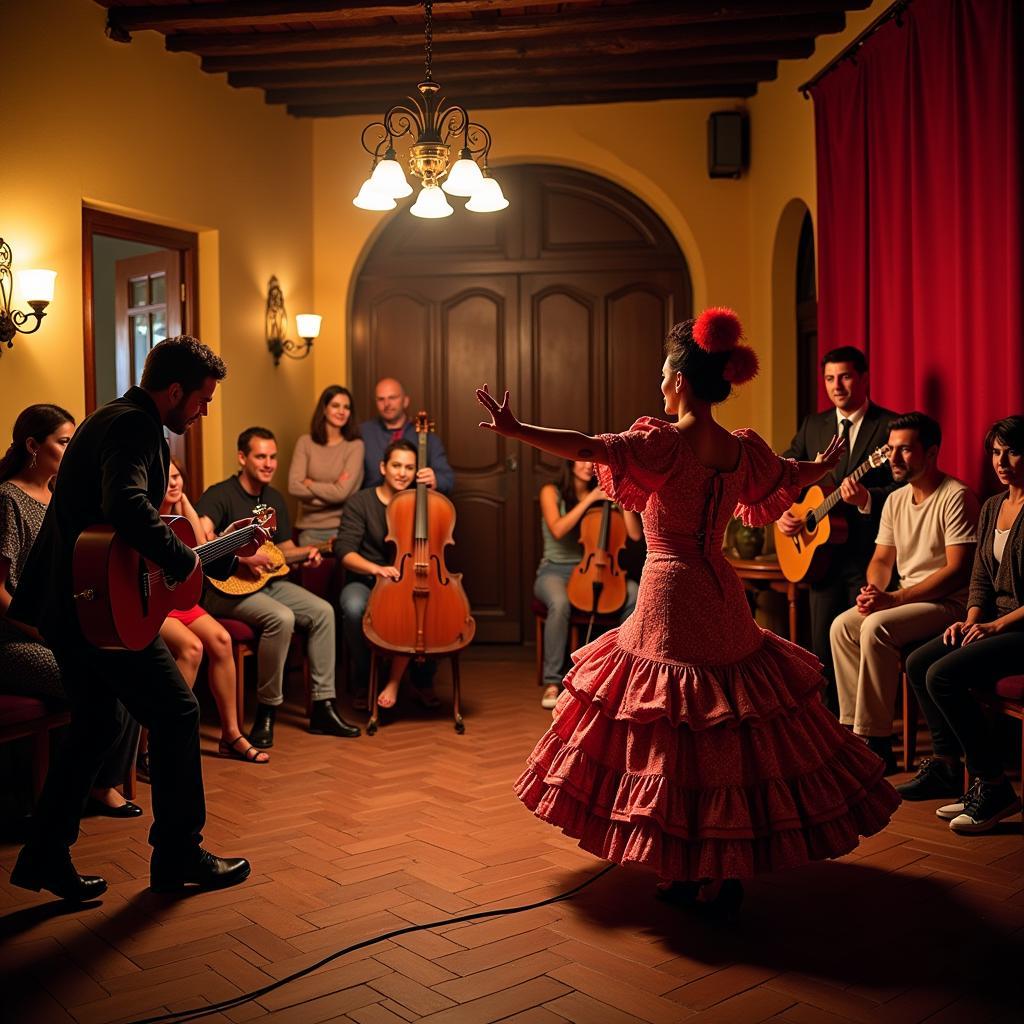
{"x": 920, "y": 217}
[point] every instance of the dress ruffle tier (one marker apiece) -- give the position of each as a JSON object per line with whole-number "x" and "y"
{"x": 704, "y": 771}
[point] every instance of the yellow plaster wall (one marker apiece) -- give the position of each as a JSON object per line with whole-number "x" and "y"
{"x": 135, "y": 129}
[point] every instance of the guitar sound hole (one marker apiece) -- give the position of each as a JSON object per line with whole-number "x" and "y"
{"x": 812, "y": 523}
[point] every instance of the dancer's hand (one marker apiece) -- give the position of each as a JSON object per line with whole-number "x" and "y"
{"x": 829, "y": 458}
{"x": 503, "y": 421}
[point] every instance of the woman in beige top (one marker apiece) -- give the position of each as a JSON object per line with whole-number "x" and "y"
{"x": 327, "y": 466}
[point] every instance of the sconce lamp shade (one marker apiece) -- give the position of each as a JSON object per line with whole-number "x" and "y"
{"x": 370, "y": 198}
{"x": 36, "y": 286}
{"x": 307, "y": 325}
{"x": 431, "y": 204}
{"x": 488, "y": 197}
{"x": 389, "y": 179}
{"x": 464, "y": 177}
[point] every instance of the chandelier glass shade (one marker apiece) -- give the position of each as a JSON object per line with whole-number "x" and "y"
{"x": 433, "y": 126}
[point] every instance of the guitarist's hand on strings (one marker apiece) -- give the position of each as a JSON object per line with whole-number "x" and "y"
{"x": 790, "y": 524}
{"x": 854, "y": 492}
{"x": 250, "y": 550}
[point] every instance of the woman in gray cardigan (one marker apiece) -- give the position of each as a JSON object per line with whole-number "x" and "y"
{"x": 975, "y": 654}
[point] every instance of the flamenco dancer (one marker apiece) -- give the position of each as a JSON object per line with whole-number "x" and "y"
{"x": 689, "y": 741}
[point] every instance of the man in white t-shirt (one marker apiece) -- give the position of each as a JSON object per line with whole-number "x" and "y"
{"x": 927, "y": 532}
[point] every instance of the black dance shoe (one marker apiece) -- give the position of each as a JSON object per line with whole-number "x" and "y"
{"x": 98, "y": 809}
{"x": 37, "y": 871}
{"x": 324, "y": 721}
{"x": 262, "y": 734}
{"x": 168, "y": 873}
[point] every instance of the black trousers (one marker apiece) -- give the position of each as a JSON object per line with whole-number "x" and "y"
{"x": 830, "y": 598}
{"x": 100, "y": 685}
{"x": 942, "y": 678}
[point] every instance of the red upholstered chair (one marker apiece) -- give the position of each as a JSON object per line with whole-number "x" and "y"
{"x": 578, "y": 624}
{"x": 1008, "y": 699}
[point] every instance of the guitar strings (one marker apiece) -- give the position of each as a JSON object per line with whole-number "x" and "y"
{"x": 215, "y": 549}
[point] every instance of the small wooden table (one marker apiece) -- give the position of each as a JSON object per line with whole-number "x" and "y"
{"x": 760, "y": 574}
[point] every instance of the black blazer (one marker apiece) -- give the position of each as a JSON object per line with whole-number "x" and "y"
{"x": 115, "y": 472}
{"x": 814, "y": 435}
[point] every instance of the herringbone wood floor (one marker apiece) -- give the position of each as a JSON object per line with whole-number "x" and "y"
{"x": 351, "y": 839}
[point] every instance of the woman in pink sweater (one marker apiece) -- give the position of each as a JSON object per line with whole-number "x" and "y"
{"x": 327, "y": 466}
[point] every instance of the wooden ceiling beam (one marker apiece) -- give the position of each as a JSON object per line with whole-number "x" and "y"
{"x": 398, "y": 76}
{"x": 506, "y": 28}
{"x": 357, "y": 106}
{"x": 564, "y": 86}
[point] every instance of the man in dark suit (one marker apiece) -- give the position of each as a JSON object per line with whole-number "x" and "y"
{"x": 865, "y": 427}
{"x": 114, "y": 472}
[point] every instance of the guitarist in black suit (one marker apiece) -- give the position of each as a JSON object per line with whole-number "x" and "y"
{"x": 114, "y": 472}
{"x": 864, "y": 426}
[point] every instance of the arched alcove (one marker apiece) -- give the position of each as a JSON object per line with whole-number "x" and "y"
{"x": 564, "y": 298}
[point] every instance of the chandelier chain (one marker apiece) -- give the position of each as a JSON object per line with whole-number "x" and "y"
{"x": 428, "y": 35}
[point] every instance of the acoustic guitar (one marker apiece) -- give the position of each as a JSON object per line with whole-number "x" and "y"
{"x": 244, "y": 583}
{"x": 804, "y": 556}
{"x": 122, "y": 599}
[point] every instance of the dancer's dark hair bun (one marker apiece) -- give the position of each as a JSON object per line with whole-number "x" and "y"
{"x": 707, "y": 352}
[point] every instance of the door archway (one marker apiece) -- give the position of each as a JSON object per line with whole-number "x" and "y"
{"x": 564, "y": 298}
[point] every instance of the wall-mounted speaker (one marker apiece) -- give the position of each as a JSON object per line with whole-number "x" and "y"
{"x": 728, "y": 144}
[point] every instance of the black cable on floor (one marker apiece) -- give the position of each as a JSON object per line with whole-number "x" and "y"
{"x": 180, "y": 1016}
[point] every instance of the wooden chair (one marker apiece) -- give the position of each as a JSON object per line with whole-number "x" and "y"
{"x": 578, "y": 623}
{"x": 377, "y": 656}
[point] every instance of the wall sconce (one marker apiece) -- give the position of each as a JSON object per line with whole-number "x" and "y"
{"x": 307, "y": 324}
{"x": 35, "y": 285}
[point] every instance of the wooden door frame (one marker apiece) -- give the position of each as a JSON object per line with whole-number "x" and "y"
{"x": 113, "y": 225}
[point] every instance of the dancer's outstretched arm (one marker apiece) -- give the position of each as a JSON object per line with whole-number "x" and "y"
{"x": 566, "y": 444}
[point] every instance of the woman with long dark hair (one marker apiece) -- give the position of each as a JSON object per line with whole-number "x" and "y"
{"x": 689, "y": 740}
{"x": 326, "y": 466}
{"x": 974, "y": 654}
{"x": 41, "y": 433}
{"x": 563, "y": 504}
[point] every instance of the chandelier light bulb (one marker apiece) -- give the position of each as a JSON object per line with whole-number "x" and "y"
{"x": 487, "y": 198}
{"x": 464, "y": 178}
{"x": 389, "y": 179}
{"x": 370, "y": 198}
{"x": 431, "y": 204}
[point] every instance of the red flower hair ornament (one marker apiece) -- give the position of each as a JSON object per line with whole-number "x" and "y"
{"x": 717, "y": 329}
{"x": 742, "y": 365}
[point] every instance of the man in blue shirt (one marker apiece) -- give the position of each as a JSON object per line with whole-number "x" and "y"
{"x": 392, "y": 424}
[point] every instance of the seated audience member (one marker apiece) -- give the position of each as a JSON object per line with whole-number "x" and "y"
{"x": 974, "y": 653}
{"x": 366, "y": 555}
{"x": 392, "y": 424}
{"x": 562, "y": 506}
{"x": 326, "y": 467}
{"x": 280, "y": 605}
{"x": 189, "y": 633}
{"x": 41, "y": 433}
{"x": 927, "y": 531}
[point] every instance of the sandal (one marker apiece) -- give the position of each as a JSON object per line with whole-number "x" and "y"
{"x": 425, "y": 698}
{"x": 251, "y": 754}
{"x": 550, "y": 696}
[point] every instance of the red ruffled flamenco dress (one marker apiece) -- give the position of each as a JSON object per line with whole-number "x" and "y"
{"x": 689, "y": 740}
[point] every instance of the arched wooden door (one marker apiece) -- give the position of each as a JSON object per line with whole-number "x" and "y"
{"x": 564, "y": 298}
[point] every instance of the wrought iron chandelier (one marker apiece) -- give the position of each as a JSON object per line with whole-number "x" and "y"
{"x": 436, "y": 125}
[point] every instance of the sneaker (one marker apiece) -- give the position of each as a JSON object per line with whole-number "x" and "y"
{"x": 934, "y": 779}
{"x": 947, "y": 812}
{"x": 550, "y": 696}
{"x": 985, "y": 804}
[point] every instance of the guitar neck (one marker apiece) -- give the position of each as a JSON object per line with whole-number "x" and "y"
{"x": 835, "y": 497}
{"x": 215, "y": 549}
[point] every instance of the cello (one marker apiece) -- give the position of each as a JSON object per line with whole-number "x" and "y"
{"x": 597, "y": 585}
{"x": 425, "y": 612}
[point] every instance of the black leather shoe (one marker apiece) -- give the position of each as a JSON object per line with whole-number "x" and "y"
{"x": 97, "y": 808}
{"x": 325, "y": 721}
{"x": 169, "y": 874}
{"x": 882, "y": 747}
{"x": 57, "y": 875}
{"x": 262, "y": 734}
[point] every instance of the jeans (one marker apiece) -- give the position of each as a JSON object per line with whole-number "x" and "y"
{"x": 316, "y": 536}
{"x": 354, "y": 598}
{"x": 550, "y": 588}
{"x": 274, "y": 612}
{"x": 942, "y": 678}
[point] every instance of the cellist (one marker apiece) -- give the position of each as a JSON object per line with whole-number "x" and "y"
{"x": 366, "y": 555}
{"x": 563, "y": 504}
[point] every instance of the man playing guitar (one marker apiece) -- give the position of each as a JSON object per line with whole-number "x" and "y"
{"x": 277, "y": 608}
{"x": 115, "y": 472}
{"x": 864, "y": 426}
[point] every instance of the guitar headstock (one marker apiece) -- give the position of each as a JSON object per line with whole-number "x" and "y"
{"x": 879, "y": 456}
{"x": 264, "y": 518}
{"x": 424, "y": 425}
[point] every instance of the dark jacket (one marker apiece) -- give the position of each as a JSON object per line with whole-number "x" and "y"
{"x": 814, "y": 435}
{"x": 376, "y": 438}
{"x": 997, "y": 589}
{"x": 114, "y": 472}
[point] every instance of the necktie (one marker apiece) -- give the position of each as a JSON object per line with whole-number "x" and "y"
{"x": 844, "y": 462}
